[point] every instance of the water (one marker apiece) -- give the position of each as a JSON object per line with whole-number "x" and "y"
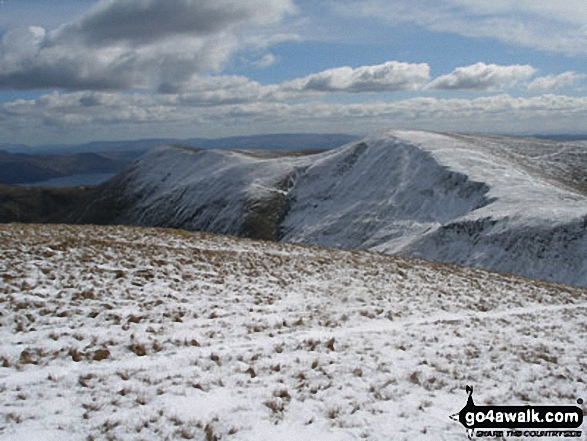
{"x": 72, "y": 181}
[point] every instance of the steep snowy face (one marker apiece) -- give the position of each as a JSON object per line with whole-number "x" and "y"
{"x": 222, "y": 191}
{"x": 536, "y": 224}
{"x": 468, "y": 200}
{"x": 381, "y": 190}
{"x": 523, "y": 183}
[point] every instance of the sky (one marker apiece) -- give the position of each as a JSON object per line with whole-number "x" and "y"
{"x": 74, "y": 71}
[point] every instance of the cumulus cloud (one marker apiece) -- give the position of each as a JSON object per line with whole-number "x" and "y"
{"x": 122, "y": 44}
{"x": 481, "y": 76}
{"x": 102, "y": 114}
{"x": 390, "y": 76}
{"x": 28, "y": 62}
{"x": 141, "y": 22}
{"x": 223, "y": 90}
{"x": 554, "y": 82}
{"x": 231, "y": 89}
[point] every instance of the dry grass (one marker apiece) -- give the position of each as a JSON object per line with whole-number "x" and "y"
{"x": 134, "y": 317}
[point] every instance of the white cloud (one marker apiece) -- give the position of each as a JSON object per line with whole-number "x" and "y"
{"x": 390, "y": 76}
{"x": 541, "y": 24}
{"x": 28, "y": 61}
{"x": 554, "y": 82}
{"x": 229, "y": 104}
{"x": 570, "y": 11}
{"x": 481, "y": 76}
{"x": 226, "y": 101}
{"x": 222, "y": 90}
{"x": 218, "y": 90}
{"x": 122, "y": 44}
{"x": 110, "y": 115}
{"x": 141, "y": 22}
{"x": 265, "y": 61}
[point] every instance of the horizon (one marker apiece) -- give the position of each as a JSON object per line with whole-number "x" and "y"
{"x": 578, "y": 135}
{"x": 80, "y": 71}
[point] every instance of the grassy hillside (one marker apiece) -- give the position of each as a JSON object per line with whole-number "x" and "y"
{"x": 38, "y": 204}
{"x": 132, "y": 333}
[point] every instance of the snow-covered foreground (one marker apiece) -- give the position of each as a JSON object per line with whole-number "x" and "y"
{"x": 130, "y": 333}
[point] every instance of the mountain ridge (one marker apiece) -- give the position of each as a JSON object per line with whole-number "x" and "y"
{"x": 449, "y": 197}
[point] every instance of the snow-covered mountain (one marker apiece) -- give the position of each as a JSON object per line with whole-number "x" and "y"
{"x": 509, "y": 204}
{"x": 150, "y": 334}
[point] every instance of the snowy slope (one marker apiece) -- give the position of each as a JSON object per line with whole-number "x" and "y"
{"x": 144, "y": 334}
{"x": 379, "y": 191}
{"x": 227, "y": 192}
{"x": 536, "y": 224}
{"x": 509, "y": 204}
{"x": 441, "y": 198}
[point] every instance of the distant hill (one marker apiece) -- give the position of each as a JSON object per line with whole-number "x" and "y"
{"x": 22, "y": 164}
{"x": 563, "y": 137}
{"x": 285, "y": 141}
{"x": 38, "y": 204}
{"x": 19, "y": 168}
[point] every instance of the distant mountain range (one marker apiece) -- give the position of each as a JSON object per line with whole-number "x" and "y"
{"x": 24, "y": 164}
{"x": 283, "y": 141}
{"x": 19, "y": 168}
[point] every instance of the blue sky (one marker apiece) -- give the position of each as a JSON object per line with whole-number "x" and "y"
{"x": 81, "y": 70}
